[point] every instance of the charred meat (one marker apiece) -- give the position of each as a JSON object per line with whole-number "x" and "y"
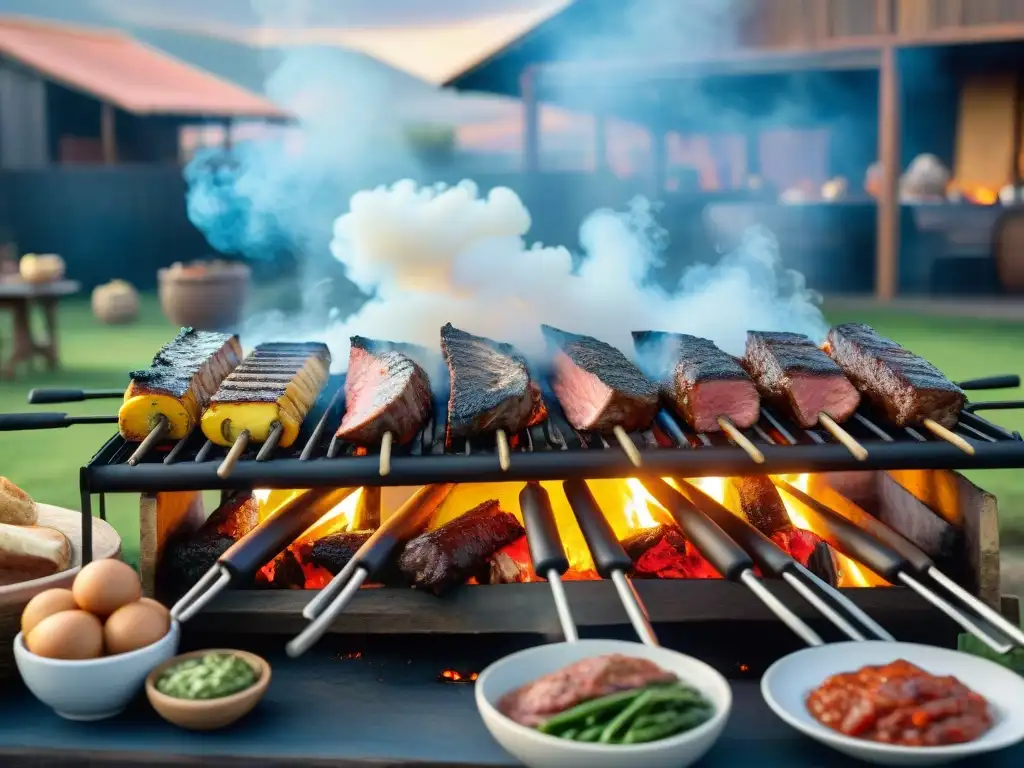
{"x": 334, "y": 551}
{"x": 598, "y": 387}
{"x": 907, "y": 388}
{"x": 790, "y": 370}
{"x": 460, "y": 549}
{"x": 664, "y": 553}
{"x": 386, "y": 390}
{"x": 699, "y": 381}
{"x": 588, "y": 679}
{"x": 490, "y": 385}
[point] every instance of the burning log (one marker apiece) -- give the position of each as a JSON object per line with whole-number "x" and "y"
{"x": 460, "y": 549}
{"x": 334, "y": 552}
{"x": 512, "y": 565}
{"x": 664, "y": 552}
{"x": 186, "y": 559}
{"x": 759, "y": 501}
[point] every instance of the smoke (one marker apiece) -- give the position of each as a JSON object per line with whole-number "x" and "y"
{"x": 434, "y": 255}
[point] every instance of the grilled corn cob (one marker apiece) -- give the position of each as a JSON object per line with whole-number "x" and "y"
{"x": 178, "y": 385}
{"x": 275, "y": 384}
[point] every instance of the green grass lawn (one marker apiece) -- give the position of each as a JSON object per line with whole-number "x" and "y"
{"x": 46, "y": 463}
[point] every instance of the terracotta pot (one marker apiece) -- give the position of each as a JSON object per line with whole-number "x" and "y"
{"x": 209, "y": 296}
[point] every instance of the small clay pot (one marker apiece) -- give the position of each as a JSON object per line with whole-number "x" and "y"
{"x": 208, "y": 296}
{"x": 208, "y": 714}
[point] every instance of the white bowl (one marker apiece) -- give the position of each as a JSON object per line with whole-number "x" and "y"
{"x": 788, "y": 681}
{"x": 92, "y": 689}
{"x": 538, "y": 750}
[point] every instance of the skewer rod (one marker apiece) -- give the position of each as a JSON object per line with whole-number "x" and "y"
{"x": 741, "y": 440}
{"x": 844, "y": 438}
{"x": 949, "y": 436}
{"x": 628, "y": 446}
{"x": 846, "y": 603}
{"x": 822, "y": 607}
{"x": 504, "y": 455}
{"x": 385, "y": 454}
{"x": 954, "y": 614}
{"x": 212, "y": 582}
{"x": 156, "y": 434}
{"x": 315, "y": 629}
{"x": 228, "y": 465}
{"x": 987, "y": 612}
{"x": 634, "y": 609}
{"x": 562, "y": 606}
{"x": 777, "y": 607}
{"x": 270, "y": 444}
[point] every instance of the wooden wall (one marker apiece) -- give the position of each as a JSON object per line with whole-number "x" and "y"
{"x": 984, "y": 136}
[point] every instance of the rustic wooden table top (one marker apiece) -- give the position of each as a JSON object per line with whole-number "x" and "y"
{"x": 378, "y": 708}
{"x": 21, "y": 289}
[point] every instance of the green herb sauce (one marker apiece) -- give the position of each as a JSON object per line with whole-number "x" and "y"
{"x": 212, "y": 676}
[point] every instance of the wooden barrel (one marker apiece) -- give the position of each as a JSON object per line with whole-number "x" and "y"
{"x": 1008, "y": 249}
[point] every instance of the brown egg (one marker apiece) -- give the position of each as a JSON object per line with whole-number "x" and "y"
{"x": 67, "y": 635}
{"x": 46, "y": 604}
{"x": 103, "y": 586}
{"x": 133, "y": 626}
{"x": 158, "y": 607}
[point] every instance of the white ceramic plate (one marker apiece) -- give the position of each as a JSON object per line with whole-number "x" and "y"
{"x": 788, "y": 681}
{"x": 538, "y": 750}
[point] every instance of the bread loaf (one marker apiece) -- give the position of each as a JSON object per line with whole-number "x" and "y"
{"x": 16, "y": 506}
{"x": 31, "y": 552}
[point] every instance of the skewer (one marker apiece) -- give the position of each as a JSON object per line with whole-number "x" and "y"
{"x": 727, "y": 557}
{"x": 860, "y": 453}
{"x": 949, "y": 436}
{"x": 373, "y": 555}
{"x": 270, "y": 444}
{"x": 546, "y": 550}
{"x": 610, "y": 558}
{"x": 504, "y": 457}
{"x": 385, "y": 454}
{"x": 261, "y": 545}
{"x": 628, "y": 446}
{"x": 237, "y": 449}
{"x": 156, "y": 434}
{"x": 740, "y": 439}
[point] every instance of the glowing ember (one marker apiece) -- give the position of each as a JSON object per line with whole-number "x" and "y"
{"x": 454, "y": 676}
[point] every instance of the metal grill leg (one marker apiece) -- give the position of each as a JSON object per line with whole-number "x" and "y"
{"x": 86, "y": 527}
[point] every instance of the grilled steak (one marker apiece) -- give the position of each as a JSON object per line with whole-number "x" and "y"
{"x": 790, "y": 370}
{"x": 591, "y": 678}
{"x": 907, "y": 388}
{"x": 333, "y": 551}
{"x": 598, "y": 388}
{"x": 385, "y": 391}
{"x": 761, "y": 504}
{"x": 664, "y": 553}
{"x": 698, "y": 380}
{"x": 459, "y": 550}
{"x": 490, "y": 385}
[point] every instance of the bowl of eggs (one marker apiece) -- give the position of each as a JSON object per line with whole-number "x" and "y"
{"x": 86, "y": 651}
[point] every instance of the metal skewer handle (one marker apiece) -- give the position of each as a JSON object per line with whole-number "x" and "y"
{"x": 610, "y": 558}
{"x": 45, "y": 396}
{"x": 546, "y": 550}
{"x": 18, "y": 422}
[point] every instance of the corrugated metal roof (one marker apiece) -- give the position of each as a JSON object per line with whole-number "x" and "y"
{"x": 121, "y": 71}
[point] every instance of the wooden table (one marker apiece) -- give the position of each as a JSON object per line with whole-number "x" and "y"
{"x": 19, "y": 296}
{"x": 383, "y": 707}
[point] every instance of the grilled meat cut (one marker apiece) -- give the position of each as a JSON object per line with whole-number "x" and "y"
{"x": 385, "y": 391}
{"x": 591, "y": 678}
{"x": 334, "y": 551}
{"x": 178, "y": 385}
{"x": 790, "y": 370}
{"x": 663, "y": 552}
{"x": 276, "y": 383}
{"x": 491, "y": 387}
{"x": 698, "y": 380}
{"x": 760, "y": 503}
{"x": 907, "y": 388}
{"x": 459, "y": 550}
{"x": 597, "y": 386}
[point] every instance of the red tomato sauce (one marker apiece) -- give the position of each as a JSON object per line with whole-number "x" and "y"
{"x": 902, "y": 704}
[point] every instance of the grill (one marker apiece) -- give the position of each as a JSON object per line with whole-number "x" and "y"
{"x": 553, "y": 451}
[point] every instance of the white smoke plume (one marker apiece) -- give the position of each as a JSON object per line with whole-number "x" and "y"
{"x": 434, "y": 255}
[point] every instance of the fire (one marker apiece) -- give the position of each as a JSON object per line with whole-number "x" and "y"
{"x": 974, "y": 193}
{"x": 637, "y": 507}
{"x": 338, "y": 519}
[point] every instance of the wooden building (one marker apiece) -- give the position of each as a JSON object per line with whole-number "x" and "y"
{"x": 883, "y": 43}
{"x": 73, "y": 95}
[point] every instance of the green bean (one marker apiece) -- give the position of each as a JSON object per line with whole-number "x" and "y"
{"x": 569, "y": 734}
{"x": 684, "y": 721}
{"x": 590, "y": 734}
{"x": 580, "y": 713}
{"x": 622, "y": 720}
{"x": 657, "y": 718}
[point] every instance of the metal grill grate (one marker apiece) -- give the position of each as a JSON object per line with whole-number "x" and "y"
{"x": 545, "y": 452}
